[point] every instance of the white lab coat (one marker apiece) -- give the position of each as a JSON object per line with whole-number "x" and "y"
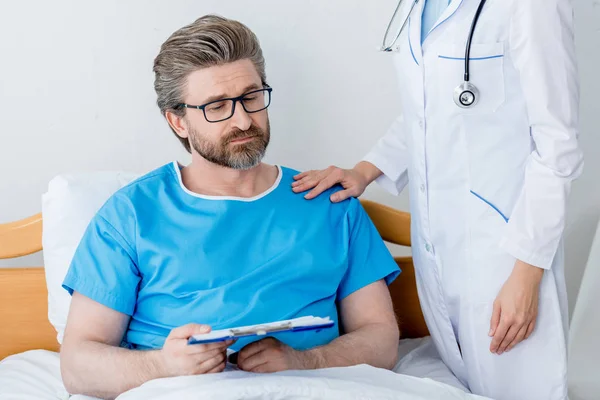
{"x": 489, "y": 184}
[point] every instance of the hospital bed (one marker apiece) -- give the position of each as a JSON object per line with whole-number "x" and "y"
{"x": 29, "y": 320}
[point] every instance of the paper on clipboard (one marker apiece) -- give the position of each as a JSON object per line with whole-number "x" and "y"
{"x": 290, "y": 325}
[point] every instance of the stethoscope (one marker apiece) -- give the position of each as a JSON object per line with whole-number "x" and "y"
{"x": 466, "y": 94}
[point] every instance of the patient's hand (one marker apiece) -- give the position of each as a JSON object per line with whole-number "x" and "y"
{"x": 179, "y": 358}
{"x": 271, "y": 355}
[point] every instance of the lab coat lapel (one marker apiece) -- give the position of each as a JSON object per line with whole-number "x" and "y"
{"x": 448, "y": 13}
{"x": 414, "y": 32}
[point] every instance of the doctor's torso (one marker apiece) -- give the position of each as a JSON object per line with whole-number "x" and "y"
{"x": 456, "y": 151}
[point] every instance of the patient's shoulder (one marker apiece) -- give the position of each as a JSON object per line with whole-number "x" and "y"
{"x": 138, "y": 194}
{"x": 123, "y": 210}
{"x": 321, "y": 202}
{"x": 288, "y": 178}
{"x": 151, "y": 179}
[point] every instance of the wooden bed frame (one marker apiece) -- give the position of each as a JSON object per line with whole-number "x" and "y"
{"x": 24, "y": 321}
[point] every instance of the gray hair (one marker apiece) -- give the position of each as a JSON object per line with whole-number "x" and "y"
{"x": 209, "y": 41}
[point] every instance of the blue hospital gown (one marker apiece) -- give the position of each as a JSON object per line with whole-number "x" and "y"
{"x": 168, "y": 257}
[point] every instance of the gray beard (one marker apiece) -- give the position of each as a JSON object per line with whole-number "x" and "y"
{"x": 241, "y": 156}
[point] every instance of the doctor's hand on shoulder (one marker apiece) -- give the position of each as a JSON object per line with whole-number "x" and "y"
{"x": 354, "y": 181}
{"x": 515, "y": 308}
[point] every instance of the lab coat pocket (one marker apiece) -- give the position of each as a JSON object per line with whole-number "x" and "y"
{"x": 486, "y": 72}
{"x": 487, "y": 222}
{"x": 489, "y": 265}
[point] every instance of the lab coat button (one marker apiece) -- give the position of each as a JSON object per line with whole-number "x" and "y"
{"x": 423, "y": 188}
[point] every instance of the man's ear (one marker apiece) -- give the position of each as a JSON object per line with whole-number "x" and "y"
{"x": 178, "y": 124}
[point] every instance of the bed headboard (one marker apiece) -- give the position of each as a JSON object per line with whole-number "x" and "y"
{"x": 24, "y": 321}
{"x": 394, "y": 227}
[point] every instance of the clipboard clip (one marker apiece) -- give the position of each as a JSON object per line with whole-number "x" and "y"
{"x": 261, "y": 330}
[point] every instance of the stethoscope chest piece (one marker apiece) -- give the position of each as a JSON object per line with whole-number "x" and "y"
{"x": 466, "y": 95}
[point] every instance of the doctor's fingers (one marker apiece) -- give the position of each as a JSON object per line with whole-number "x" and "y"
{"x": 344, "y": 194}
{"x": 308, "y": 181}
{"x": 499, "y": 335}
{"x": 508, "y": 338}
{"x": 312, "y": 173}
{"x": 518, "y": 338}
{"x": 333, "y": 177}
{"x": 315, "y": 176}
{"x": 302, "y": 175}
{"x": 325, "y": 184}
{"x": 530, "y": 329}
{"x": 306, "y": 184}
{"x": 495, "y": 319}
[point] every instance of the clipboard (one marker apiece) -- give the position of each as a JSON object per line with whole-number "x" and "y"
{"x": 301, "y": 324}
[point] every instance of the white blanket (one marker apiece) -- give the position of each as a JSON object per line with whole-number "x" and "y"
{"x": 359, "y": 382}
{"x": 35, "y": 375}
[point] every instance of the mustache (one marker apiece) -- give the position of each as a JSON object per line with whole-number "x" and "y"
{"x": 240, "y": 134}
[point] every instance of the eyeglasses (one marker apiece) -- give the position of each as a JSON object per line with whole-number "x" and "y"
{"x": 223, "y": 109}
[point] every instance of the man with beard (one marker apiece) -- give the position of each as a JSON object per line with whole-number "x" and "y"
{"x": 220, "y": 243}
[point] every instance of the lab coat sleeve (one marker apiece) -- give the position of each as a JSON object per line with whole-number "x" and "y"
{"x": 390, "y": 155}
{"x": 541, "y": 46}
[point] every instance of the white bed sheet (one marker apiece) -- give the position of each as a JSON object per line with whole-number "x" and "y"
{"x": 420, "y": 358}
{"x": 35, "y": 375}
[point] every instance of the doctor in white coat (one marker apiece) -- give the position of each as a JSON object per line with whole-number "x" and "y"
{"x": 488, "y": 185}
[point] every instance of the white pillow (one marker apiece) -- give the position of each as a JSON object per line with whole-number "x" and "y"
{"x": 67, "y": 208}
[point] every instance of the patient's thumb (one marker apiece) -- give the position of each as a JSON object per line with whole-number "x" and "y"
{"x": 186, "y": 331}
